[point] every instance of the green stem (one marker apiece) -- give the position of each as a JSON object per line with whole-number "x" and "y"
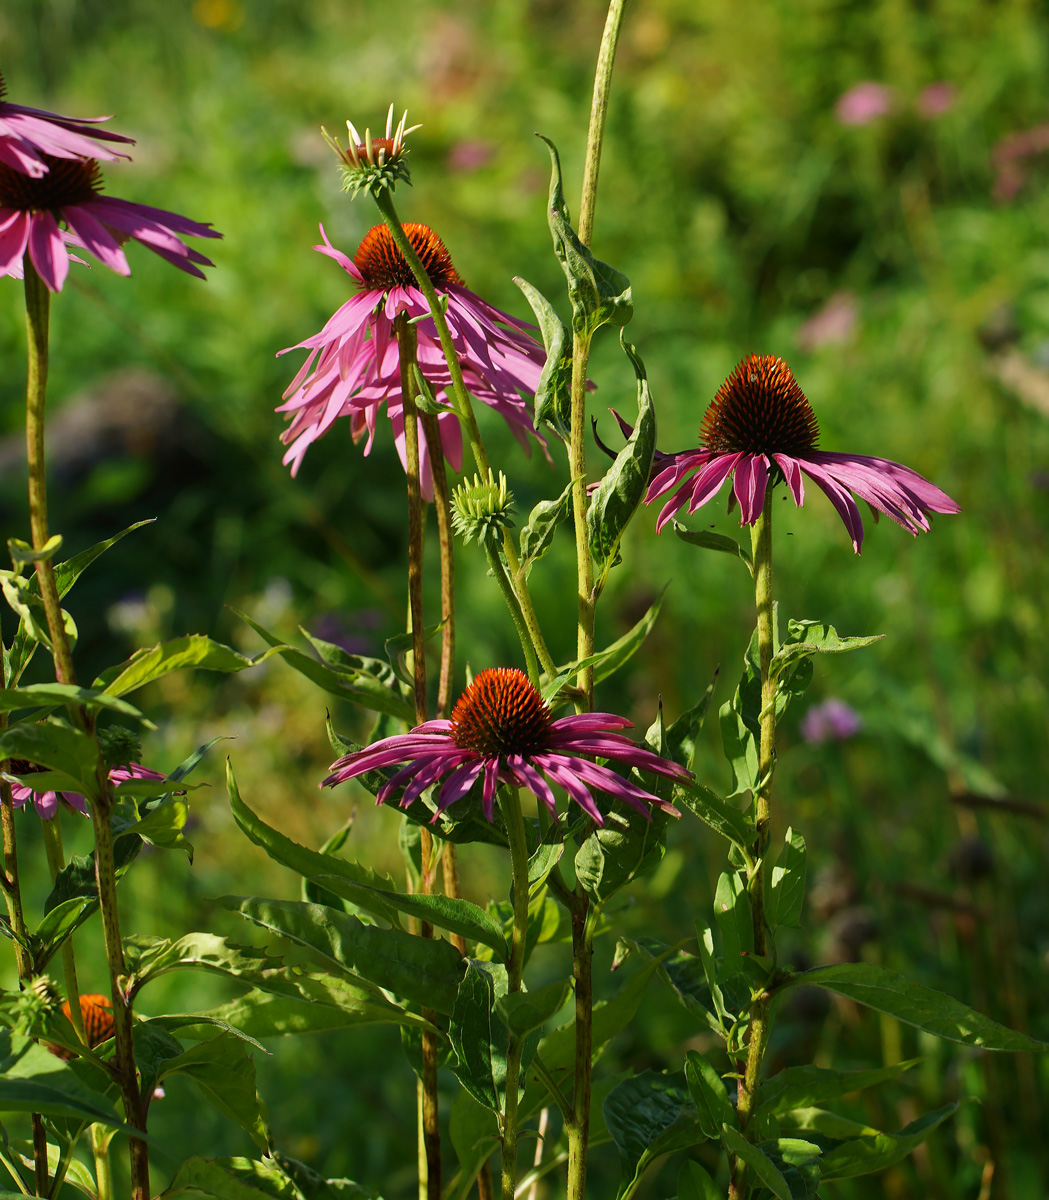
{"x": 446, "y": 541}
{"x": 11, "y": 887}
{"x": 56, "y": 861}
{"x": 510, "y": 806}
{"x": 586, "y": 601}
{"x": 583, "y": 978}
{"x": 498, "y": 570}
{"x": 760, "y": 1011}
{"x": 464, "y": 411}
{"x": 41, "y": 1177}
{"x": 37, "y": 323}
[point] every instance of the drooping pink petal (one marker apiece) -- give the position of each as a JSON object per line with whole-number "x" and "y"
{"x": 47, "y": 251}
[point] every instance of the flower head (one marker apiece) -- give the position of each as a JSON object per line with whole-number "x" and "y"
{"x": 831, "y": 721}
{"x": 28, "y": 136}
{"x": 761, "y": 428}
{"x": 353, "y": 367}
{"x": 46, "y": 802}
{"x": 373, "y": 164}
{"x": 863, "y": 103}
{"x": 71, "y": 193}
{"x": 501, "y": 731}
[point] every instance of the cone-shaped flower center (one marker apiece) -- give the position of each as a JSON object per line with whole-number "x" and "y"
{"x": 760, "y": 409}
{"x": 68, "y": 181}
{"x": 383, "y": 266}
{"x": 97, "y": 1012}
{"x": 501, "y": 713}
{"x": 20, "y": 766}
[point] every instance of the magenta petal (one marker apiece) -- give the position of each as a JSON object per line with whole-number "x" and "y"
{"x": 47, "y": 251}
{"x": 750, "y": 484}
{"x": 96, "y": 239}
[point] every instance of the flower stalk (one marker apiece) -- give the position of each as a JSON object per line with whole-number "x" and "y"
{"x": 760, "y": 1011}
{"x": 56, "y": 861}
{"x": 406, "y": 347}
{"x": 37, "y": 328}
{"x": 510, "y": 806}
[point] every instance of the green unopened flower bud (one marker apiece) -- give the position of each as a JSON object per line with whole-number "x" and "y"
{"x": 481, "y": 509}
{"x": 119, "y": 746}
{"x": 372, "y": 164}
{"x": 45, "y": 993}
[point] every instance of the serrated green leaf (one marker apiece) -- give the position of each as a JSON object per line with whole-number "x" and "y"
{"x": 709, "y": 1095}
{"x": 718, "y": 814}
{"x": 623, "y": 486}
{"x": 813, "y": 637}
{"x": 864, "y": 1155}
{"x": 890, "y": 992}
{"x": 479, "y": 1035}
{"x": 649, "y": 1115}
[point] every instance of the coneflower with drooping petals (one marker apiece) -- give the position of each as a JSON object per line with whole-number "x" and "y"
{"x": 29, "y": 135}
{"x": 501, "y": 731}
{"x": 32, "y": 211}
{"x": 47, "y": 802}
{"x": 353, "y": 367}
{"x": 760, "y": 428}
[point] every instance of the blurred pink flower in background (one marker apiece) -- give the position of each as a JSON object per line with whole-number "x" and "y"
{"x": 470, "y": 155}
{"x": 863, "y": 103}
{"x": 936, "y": 99}
{"x": 833, "y": 324}
{"x": 1008, "y": 159}
{"x": 831, "y": 721}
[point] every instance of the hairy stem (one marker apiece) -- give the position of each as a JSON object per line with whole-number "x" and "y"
{"x": 464, "y": 411}
{"x": 760, "y": 1011}
{"x": 510, "y": 805}
{"x": 443, "y": 506}
{"x": 498, "y": 570}
{"x": 103, "y": 1171}
{"x": 56, "y": 861}
{"x": 37, "y": 323}
{"x": 406, "y": 345}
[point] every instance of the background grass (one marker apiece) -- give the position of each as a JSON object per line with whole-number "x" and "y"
{"x": 739, "y": 206}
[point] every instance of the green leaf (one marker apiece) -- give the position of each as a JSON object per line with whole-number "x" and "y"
{"x": 682, "y": 735}
{"x": 830, "y": 1124}
{"x": 553, "y": 393}
{"x": 798, "y": 1162}
{"x": 538, "y": 534}
{"x": 362, "y": 886}
{"x": 864, "y": 1155}
{"x": 49, "y": 695}
{"x": 787, "y": 883}
{"x": 225, "y": 1073}
{"x": 889, "y": 992}
{"x": 32, "y": 1079}
{"x": 741, "y": 749}
{"x": 478, "y": 1035}
{"x": 623, "y": 486}
{"x": 276, "y": 1178}
{"x": 525, "y": 1011}
{"x": 649, "y": 1115}
{"x": 22, "y": 554}
{"x": 322, "y": 1003}
{"x": 693, "y": 1183}
{"x": 67, "y": 753}
{"x": 709, "y": 1095}
{"x": 762, "y": 1167}
{"x": 722, "y": 817}
{"x": 707, "y": 540}
{"x": 814, "y": 637}
{"x": 599, "y": 293}
{"x": 32, "y": 621}
{"x": 732, "y": 913}
{"x": 800, "y": 1087}
{"x": 421, "y": 970}
{"x": 348, "y": 677}
{"x": 150, "y": 957}
{"x": 627, "y": 846}
{"x": 475, "y": 1134}
{"x": 193, "y": 650}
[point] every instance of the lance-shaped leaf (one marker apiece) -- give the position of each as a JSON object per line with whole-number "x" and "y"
{"x": 648, "y": 1116}
{"x": 802, "y": 1087}
{"x": 623, "y": 486}
{"x": 475, "y": 1134}
{"x": 51, "y": 695}
{"x": 709, "y": 1095}
{"x": 479, "y": 1036}
{"x": 367, "y": 682}
{"x": 32, "y": 1079}
{"x": 707, "y": 539}
{"x": 892, "y": 993}
{"x": 798, "y": 1162}
{"x": 553, "y": 393}
{"x": 193, "y": 650}
{"x": 678, "y": 741}
{"x": 276, "y": 1178}
{"x": 813, "y": 637}
{"x": 70, "y": 755}
{"x": 786, "y": 887}
{"x": 693, "y": 1183}
{"x": 600, "y": 294}
{"x": 538, "y": 534}
{"x": 763, "y": 1168}
{"x": 864, "y": 1155}
{"x": 732, "y": 824}
{"x": 420, "y": 970}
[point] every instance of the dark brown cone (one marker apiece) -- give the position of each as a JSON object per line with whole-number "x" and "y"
{"x": 760, "y": 409}
{"x": 383, "y": 266}
{"x": 501, "y": 713}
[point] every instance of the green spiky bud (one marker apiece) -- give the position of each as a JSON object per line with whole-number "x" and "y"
{"x": 481, "y": 509}
{"x": 120, "y": 747}
{"x": 373, "y": 165}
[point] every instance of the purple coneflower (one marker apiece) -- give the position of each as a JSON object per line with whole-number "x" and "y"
{"x": 46, "y": 803}
{"x": 353, "y": 366}
{"x": 760, "y": 428}
{"x": 831, "y": 721}
{"x": 501, "y": 729}
{"x": 71, "y": 192}
{"x": 29, "y": 135}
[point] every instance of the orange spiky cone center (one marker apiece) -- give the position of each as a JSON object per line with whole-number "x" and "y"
{"x": 383, "y": 266}
{"x": 760, "y": 409}
{"x": 500, "y": 714}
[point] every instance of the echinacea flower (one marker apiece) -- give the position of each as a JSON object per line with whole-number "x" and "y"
{"x": 353, "y": 367}
{"x": 96, "y": 1012}
{"x": 46, "y": 802}
{"x": 501, "y": 731}
{"x": 71, "y": 193}
{"x": 759, "y": 429}
{"x": 29, "y": 135}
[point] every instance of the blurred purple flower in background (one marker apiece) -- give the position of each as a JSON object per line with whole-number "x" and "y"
{"x": 831, "y": 721}
{"x": 470, "y": 155}
{"x": 936, "y": 99}
{"x": 833, "y": 324}
{"x": 863, "y": 103}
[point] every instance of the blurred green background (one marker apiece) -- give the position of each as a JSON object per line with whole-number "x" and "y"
{"x": 890, "y": 244}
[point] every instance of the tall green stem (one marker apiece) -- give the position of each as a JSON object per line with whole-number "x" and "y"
{"x": 583, "y": 981}
{"x": 406, "y": 345}
{"x": 498, "y": 570}
{"x": 586, "y": 602}
{"x": 760, "y": 1014}
{"x": 37, "y": 324}
{"x": 464, "y": 411}
{"x": 510, "y": 806}
{"x": 56, "y": 861}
